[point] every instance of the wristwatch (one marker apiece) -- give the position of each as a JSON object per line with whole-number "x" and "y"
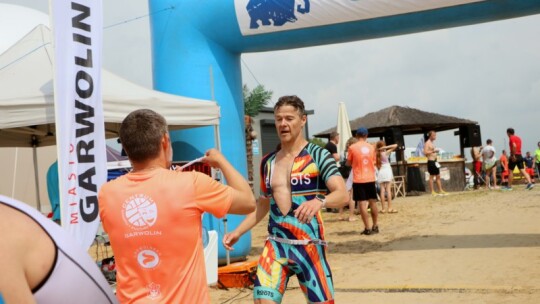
{"x": 321, "y": 198}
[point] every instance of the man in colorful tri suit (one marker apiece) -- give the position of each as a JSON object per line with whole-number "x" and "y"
{"x": 153, "y": 215}
{"x": 41, "y": 263}
{"x": 294, "y": 185}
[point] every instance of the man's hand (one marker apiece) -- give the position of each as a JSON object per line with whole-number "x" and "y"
{"x": 230, "y": 239}
{"x": 307, "y": 210}
{"x": 214, "y": 158}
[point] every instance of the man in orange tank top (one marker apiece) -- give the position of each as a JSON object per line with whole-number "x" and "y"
{"x": 361, "y": 156}
{"x": 153, "y": 215}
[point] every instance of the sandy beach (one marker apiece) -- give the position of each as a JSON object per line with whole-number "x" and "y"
{"x": 469, "y": 247}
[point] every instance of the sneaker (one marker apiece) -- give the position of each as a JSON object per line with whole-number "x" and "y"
{"x": 366, "y": 232}
{"x": 375, "y": 229}
{"x": 506, "y": 188}
{"x": 433, "y": 193}
{"x": 443, "y": 192}
{"x": 529, "y": 186}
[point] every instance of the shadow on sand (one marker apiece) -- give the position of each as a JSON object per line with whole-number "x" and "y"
{"x": 430, "y": 242}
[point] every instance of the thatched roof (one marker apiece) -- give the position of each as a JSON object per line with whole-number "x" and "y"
{"x": 409, "y": 120}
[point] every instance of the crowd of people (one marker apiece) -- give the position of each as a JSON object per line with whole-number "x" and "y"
{"x": 486, "y": 166}
{"x": 153, "y": 215}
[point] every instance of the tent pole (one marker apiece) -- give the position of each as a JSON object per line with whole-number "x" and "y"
{"x": 15, "y": 172}
{"x": 34, "y": 152}
{"x": 218, "y": 147}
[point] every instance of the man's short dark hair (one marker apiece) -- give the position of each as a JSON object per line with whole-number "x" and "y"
{"x": 141, "y": 133}
{"x": 510, "y": 131}
{"x": 489, "y": 141}
{"x": 333, "y": 135}
{"x": 291, "y": 100}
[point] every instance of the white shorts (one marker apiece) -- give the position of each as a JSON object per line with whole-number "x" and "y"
{"x": 385, "y": 174}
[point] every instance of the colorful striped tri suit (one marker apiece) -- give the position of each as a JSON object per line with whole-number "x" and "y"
{"x": 311, "y": 170}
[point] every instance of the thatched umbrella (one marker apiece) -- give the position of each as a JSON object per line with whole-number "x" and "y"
{"x": 409, "y": 120}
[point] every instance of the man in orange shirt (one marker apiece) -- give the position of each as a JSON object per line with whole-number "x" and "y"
{"x": 361, "y": 156}
{"x": 504, "y": 172}
{"x": 153, "y": 215}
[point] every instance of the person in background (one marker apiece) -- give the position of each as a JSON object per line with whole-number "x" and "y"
{"x": 537, "y": 160}
{"x": 490, "y": 164}
{"x": 420, "y": 147}
{"x": 529, "y": 165}
{"x": 432, "y": 165}
{"x": 476, "y": 165}
{"x": 294, "y": 188}
{"x": 516, "y": 159}
{"x": 331, "y": 145}
{"x": 504, "y": 170}
{"x": 385, "y": 175}
{"x": 41, "y": 263}
{"x": 361, "y": 156}
{"x": 348, "y": 185}
{"x": 153, "y": 215}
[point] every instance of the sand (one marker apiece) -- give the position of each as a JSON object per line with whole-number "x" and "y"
{"x": 469, "y": 247}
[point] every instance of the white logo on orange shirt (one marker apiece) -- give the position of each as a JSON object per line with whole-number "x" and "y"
{"x": 364, "y": 150}
{"x": 147, "y": 257}
{"x": 153, "y": 291}
{"x": 139, "y": 212}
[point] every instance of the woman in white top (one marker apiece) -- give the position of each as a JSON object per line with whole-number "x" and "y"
{"x": 385, "y": 176}
{"x": 490, "y": 164}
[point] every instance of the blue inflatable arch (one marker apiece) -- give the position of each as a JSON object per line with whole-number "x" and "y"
{"x": 197, "y": 47}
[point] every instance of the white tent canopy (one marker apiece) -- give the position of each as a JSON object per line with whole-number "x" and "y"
{"x": 27, "y": 97}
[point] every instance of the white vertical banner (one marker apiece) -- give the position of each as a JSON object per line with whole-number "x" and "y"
{"x": 80, "y": 135}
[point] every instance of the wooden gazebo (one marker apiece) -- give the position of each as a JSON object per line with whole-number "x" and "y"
{"x": 409, "y": 120}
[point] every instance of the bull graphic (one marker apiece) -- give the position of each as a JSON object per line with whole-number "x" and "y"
{"x": 274, "y": 12}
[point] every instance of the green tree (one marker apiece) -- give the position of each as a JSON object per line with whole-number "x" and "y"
{"x": 317, "y": 141}
{"x": 255, "y": 99}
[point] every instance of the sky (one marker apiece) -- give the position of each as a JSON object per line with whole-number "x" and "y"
{"x": 489, "y": 73}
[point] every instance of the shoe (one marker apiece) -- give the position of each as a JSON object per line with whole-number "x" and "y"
{"x": 433, "y": 193}
{"x": 366, "y": 232}
{"x": 506, "y": 188}
{"x": 529, "y": 186}
{"x": 375, "y": 229}
{"x": 392, "y": 211}
{"x": 443, "y": 192}
{"x": 383, "y": 211}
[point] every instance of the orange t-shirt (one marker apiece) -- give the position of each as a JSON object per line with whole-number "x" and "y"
{"x": 504, "y": 162}
{"x": 361, "y": 155}
{"x": 154, "y": 224}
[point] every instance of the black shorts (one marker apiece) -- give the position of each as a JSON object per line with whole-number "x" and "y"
{"x": 518, "y": 162}
{"x": 432, "y": 167}
{"x": 364, "y": 191}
